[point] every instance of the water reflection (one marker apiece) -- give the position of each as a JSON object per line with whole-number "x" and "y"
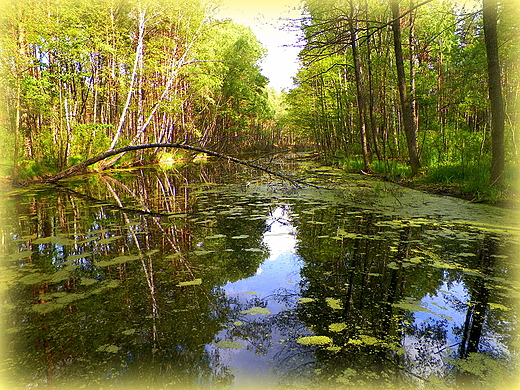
{"x": 169, "y": 279}
{"x": 252, "y": 339}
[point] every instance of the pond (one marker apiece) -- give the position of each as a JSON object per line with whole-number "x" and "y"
{"x": 209, "y": 276}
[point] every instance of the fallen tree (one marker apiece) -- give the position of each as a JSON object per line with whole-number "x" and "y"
{"x": 81, "y": 168}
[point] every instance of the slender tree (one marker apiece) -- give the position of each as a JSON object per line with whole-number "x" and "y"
{"x": 406, "y": 107}
{"x": 495, "y": 92}
{"x": 360, "y": 87}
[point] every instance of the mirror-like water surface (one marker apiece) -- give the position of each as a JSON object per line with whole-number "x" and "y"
{"x": 176, "y": 279}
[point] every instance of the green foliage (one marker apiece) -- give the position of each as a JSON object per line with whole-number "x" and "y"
{"x": 446, "y": 74}
{"x": 89, "y": 139}
{"x": 393, "y": 169}
{"x": 88, "y": 72}
{"x": 229, "y": 89}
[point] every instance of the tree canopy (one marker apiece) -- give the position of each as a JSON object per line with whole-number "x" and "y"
{"x": 83, "y": 77}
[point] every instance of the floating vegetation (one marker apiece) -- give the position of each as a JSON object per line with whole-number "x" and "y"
{"x": 362, "y": 279}
{"x": 229, "y": 344}
{"x": 254, "y": 250}
{"x": 363, "y": 339}
{"x": 411, "y": 304}
{"x": 201, "y": 252}
{"x": 78, "y": 256}
{"x": 34, "y": 278}
{"x": 110, "y": 348}
{"x": 498, "y": 306}
{"x": 215, "y": 236}
{"x": 254, "y": 311}
{"x": 118, "y": 260}
{"x": 194, "y": 282}
{"x": 240, "y": 237}
{"x": 46, "y": 307}
{"x": 338, "y": 327}
{"x": 314, "y": 340}
{"x": 334, "y": 303}
{"x": 20, "y": 255}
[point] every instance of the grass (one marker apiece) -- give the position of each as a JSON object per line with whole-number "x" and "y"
{"x": 467, "y": 180}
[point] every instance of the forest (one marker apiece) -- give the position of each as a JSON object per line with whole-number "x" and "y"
{"x": 419, "y": 92}
{"x": 148, "y": 243}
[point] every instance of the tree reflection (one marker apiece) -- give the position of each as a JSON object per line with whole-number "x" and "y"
{"x": 365, "y": 290}
{"x": 124, "y": 279}
{"x": 100, "y": 300}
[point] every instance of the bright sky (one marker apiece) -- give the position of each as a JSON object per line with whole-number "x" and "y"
{"x": 265, "y": 18}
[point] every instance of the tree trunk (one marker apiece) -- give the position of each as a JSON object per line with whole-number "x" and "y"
{"x": 360, "y": 90}
{"x": 495, "y": 93}
{"x": 133, "y": 76}
{"x": 406, "y": 107}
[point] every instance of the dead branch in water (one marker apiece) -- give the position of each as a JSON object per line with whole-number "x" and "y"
{"x": 81, "y": 167}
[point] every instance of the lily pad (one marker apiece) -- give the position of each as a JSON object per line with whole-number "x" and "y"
{"x": 314, "y": 340}
{"x": 202, "y": 252}
{"x": 253, "y": 250}
{"x": 240, "y": 236}
{"x": 337, "y": 327}
{"x": 87, "y": 281}
{"x": 35, "y": 278}
{"x": 117, "y": 260}
{"x": 365, "y": 340}
{"x": 214, "y": 237}
{"x": 194, "y": 282}
{"x": 229, "y": 344}
{"x": 498, "y": 306}
{"x": 47, "y": 307}
{"x": 59, "y": 276}
{"x": 256, "y": 311}
{"x": 21, "y": 255}
{"x": 110, "y": 348}
{"x": 78, "y": 256}
{"x": 334, "y": 303}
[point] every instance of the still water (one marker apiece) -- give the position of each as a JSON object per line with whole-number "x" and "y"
{"x": 206, "y": 276}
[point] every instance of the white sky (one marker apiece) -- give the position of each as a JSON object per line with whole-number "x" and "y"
{"x": 265, "y": 18}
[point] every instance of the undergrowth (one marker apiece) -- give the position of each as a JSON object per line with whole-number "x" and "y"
{"x": 468, "y": 180}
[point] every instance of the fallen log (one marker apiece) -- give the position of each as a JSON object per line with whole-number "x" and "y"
{"x": 81, "y": 167}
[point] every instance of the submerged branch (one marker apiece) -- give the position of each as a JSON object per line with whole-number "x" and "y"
{"x": 81, "y": 167}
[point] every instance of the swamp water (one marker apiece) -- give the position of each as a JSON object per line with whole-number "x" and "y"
{"x": 180, "y": 280}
